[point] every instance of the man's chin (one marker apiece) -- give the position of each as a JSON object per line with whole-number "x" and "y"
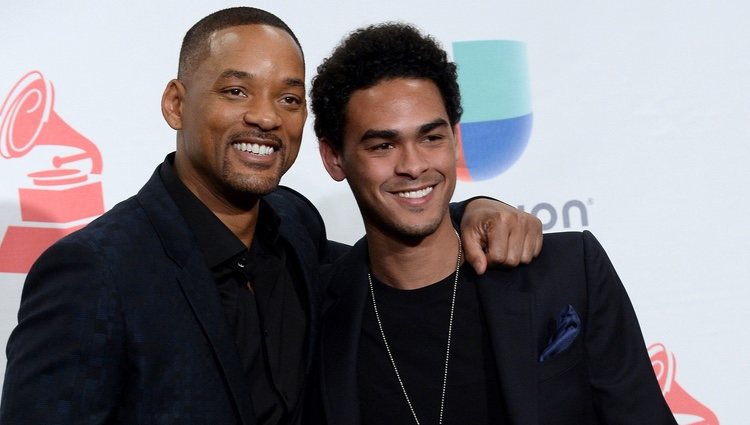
{"x": 412, "y": 233}
{"x": 254, "y": 186}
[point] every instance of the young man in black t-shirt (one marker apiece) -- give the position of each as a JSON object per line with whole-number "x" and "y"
{"x": 412, "y": 335}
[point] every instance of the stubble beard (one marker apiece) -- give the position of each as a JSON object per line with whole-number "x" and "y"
{"x": 251, "y": 185}
{"x": 409, "y": 233}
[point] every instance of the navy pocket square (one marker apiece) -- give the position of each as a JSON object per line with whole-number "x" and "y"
{"x": 568, "y": 325}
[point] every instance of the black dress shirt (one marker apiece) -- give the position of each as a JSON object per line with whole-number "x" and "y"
{"x": 262, "y": 298}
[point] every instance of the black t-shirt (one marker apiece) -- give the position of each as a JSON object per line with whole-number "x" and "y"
{"x": 416, "y": 327}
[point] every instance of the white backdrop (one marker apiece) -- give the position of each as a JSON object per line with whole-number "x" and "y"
{"x": 640, "y": 110}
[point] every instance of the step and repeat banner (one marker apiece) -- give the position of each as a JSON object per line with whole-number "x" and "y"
{"x": 629, "y": 120}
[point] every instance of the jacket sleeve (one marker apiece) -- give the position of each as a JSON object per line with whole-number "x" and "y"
{"x": 65, "y": 355}
{"x": 623, "y": 382}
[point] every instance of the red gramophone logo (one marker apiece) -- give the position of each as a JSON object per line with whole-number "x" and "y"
{"x": 59, "y": 199}
{"x": 684, "y": 407}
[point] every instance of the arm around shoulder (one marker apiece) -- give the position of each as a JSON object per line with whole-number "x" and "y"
{"x": 494, "y": 233}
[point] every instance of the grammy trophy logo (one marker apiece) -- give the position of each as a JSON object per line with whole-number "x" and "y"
{"x": 682, "y": 404}
{"x": 56, "y": 200}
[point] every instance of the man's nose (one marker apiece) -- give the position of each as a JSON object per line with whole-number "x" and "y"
{"x": 412, "y": 161}
{"x": 263, "y": 113}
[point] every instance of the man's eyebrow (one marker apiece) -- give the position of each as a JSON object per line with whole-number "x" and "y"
{"x": 379, "y": 134}
{"x": 243, "y": 75}
{"x": 233, "y": 73}
{"x": 295, "y": 82}
{"x": 428, "y": 127}
{"x": 394, "y": 134}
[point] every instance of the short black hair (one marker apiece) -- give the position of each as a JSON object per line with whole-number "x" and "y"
{"x": 373, "y": 54}
{"x": 194, "y": 46}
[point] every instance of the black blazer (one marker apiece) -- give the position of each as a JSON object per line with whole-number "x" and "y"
{"x": 604, "y": 377}
{"x": 121, "y": 323}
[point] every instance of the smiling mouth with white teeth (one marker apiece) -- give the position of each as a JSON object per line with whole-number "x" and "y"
{"x": 254, "y": 148}
{"x": 416, "y": 193}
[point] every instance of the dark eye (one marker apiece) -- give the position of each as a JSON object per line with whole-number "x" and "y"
{"x": 382, "y": 146}
{"x": 236, "y": 92}
{"x": 433, "y": 137}
{"x": 291, "y": 100}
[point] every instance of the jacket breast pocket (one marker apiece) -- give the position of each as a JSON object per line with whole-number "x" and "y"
{"x": 562, "y": 362}
{"x": 564, "y": 389}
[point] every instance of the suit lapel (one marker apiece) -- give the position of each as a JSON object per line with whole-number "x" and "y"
{"x": 509, "y": 315}
{"x": 195, "y": 280}
{"x": 340, "y": 338}
{"x": 196, "y": 283}
{"x": 304, "y": 254}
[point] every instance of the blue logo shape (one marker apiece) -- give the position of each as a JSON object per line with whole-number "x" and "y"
{"x": 496, "y": 97}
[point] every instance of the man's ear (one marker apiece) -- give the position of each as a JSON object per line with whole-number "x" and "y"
{"x": 331, "y": 160}
{"x": 171, "y": 103}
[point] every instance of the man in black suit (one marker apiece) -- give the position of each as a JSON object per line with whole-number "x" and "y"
{"x": 196, "y": 301}
{"x": 413, "y": 335}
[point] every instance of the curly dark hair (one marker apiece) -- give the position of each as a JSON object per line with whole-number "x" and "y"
{"x": 372, "y": 54}
{"x": 195, "y": 47}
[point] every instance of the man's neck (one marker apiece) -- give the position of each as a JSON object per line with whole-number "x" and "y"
{"x": 241, "y": 222}
{"x": 240, "y": 217}
{"x": 409, "y": 264}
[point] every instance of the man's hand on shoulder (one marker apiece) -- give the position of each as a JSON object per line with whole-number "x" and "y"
{"x": 497, "y": 234}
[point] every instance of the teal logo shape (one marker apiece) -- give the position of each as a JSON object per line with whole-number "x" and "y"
{"x": 496, "y": 97}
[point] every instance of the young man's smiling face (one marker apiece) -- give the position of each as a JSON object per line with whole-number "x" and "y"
{"x": 398, "y": 156}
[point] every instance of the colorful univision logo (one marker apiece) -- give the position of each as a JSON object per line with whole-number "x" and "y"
{"x": 496, "y": 123}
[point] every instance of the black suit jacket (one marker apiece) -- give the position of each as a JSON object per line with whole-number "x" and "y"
{"x": 121, "y": 322}
{"x": 604, "y": 377}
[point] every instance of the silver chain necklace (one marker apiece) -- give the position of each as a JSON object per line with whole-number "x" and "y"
{"x": 447, "y": 349}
